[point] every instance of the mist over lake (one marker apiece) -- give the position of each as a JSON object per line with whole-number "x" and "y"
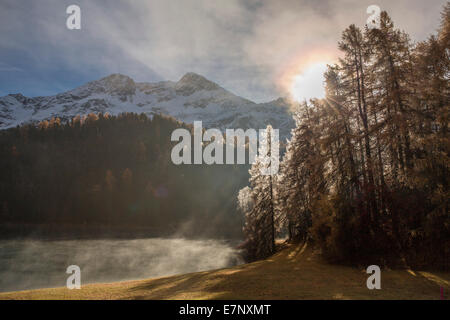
{"x": 31, "y": 264}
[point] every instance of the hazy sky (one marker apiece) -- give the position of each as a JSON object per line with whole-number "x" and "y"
{"x": 247, "y": 46}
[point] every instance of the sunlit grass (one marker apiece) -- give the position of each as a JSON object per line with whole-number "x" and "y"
{"x": 296, "y": 272}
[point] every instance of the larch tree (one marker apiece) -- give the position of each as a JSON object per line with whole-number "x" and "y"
{"x": 259, "y": 228}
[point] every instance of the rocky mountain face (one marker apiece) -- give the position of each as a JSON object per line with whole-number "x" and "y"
{"x": 190, "y": 99}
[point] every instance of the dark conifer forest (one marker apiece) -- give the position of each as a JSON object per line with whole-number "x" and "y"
{"x": 108, "y": 175}
{"x": 365, "y": 174}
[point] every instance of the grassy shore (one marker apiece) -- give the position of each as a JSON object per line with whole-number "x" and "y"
{"x": 295, "y": 272}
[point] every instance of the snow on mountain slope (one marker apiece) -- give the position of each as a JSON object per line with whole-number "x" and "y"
{"x": 192, "y": 98}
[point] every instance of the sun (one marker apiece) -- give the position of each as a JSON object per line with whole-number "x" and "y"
{"x": 310, "y": 83}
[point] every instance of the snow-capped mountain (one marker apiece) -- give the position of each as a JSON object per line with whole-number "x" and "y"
{"x": 192, "y": 98}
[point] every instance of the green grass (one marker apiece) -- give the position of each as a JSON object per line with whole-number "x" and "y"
{"x": 295, "y": 272}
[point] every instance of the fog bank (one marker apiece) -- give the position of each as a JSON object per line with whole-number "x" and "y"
{"x": 29, "y": 264}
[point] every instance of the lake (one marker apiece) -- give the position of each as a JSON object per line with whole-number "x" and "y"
{"x": 32, "y": 264}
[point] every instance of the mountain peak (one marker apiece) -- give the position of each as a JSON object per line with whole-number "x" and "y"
{"x": 116, "y": 80}
{"x": 192, "y": 98}
{"x": 115, "y": 84}
{"x": 19, "y": 97}
{"x": 192, "y": 82}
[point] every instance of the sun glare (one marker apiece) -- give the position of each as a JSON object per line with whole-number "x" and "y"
{"x": 309, "y": 84}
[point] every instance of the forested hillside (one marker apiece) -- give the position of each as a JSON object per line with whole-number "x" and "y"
{"x": 106, "y": 172}
{"x": 365, "y": 174}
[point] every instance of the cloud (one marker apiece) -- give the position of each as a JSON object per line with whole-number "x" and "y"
{"x": 248, "y": 46}
{"x": 7, "y": 68}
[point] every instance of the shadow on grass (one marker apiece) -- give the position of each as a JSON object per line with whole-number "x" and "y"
{"x": 259, "y": 280}
{"x": 295, "y": 272}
